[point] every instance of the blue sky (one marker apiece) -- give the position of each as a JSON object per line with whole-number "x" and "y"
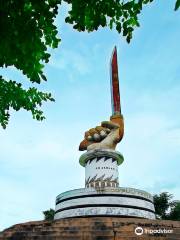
{"x": 40, "y": 160}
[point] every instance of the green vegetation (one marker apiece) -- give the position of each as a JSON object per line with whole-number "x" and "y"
{"x": 27, "y": 30}
{"x": 165, "y": 207}
{"x": 49, "y": 214}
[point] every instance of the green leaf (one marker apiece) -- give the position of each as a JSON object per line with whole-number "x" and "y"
{"x": 128, "y": 5}
{"x": 118, "y": 27}
{"x": 177, "y": 5}
{"x": 13, "y": 96}
{"x": 111, "y": 23}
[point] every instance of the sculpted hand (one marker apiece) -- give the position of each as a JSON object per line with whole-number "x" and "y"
{"x": 105, "y": 136}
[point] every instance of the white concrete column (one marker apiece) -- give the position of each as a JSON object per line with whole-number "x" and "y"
{"x": 101, "y": 168}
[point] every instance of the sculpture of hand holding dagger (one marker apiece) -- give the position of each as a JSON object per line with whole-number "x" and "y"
{"x": 110, "y": 132}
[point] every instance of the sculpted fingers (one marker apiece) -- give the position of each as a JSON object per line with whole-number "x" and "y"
{"x": 110, "y": 125}
{"x": 103, "y": 132}
{"x": 83, "y": 145}
{"x": 96, "y": 134}
{"x": 92, "y": 135}
{"x": 88, "y": 136}
{"x": 105, "y": 136}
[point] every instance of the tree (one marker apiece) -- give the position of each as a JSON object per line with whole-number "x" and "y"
{"x": 123, "y": 15}
{"x": 162, "y": 204}
{"x": 27, "y": 30}
{"x": 175, "y": 211}
{"x": 165, "y": 208}
{"x": 49, "y": 214}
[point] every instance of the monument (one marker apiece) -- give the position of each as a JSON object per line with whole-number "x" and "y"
{"x": 102, "y": 195}
{"x": 102, "y": 209}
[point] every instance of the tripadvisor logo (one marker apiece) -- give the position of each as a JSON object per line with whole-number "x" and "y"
{"x": 138, "y": 231}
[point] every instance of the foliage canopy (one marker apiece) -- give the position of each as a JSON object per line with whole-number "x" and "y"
{"x": 27, "y": 30}
{"x": 165, "y": 208}
{"x": 49, "y": 214}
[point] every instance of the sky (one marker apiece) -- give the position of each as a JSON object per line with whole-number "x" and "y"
{"x": 39, "y": 160}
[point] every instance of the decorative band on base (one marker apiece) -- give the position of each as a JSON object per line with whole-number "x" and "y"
{"x": 122, "y": 202}
{"x": 104, "y": 211}
{"x": 101, "y": 153}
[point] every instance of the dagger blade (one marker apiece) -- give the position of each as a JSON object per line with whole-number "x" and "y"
{"x": 115, "y": 94}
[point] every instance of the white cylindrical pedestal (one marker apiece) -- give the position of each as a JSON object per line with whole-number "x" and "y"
{"x": 101, "y": 168}
{"x": 101, "y": 195}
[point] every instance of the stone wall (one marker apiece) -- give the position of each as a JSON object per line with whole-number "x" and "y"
{"x": 101, "y": 228}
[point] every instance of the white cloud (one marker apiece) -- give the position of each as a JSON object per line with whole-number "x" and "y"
{"x": 71, "y": 61}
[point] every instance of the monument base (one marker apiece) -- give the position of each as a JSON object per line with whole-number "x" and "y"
{"x": 94, "y": 228}
{"x": 108, "y": 201}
